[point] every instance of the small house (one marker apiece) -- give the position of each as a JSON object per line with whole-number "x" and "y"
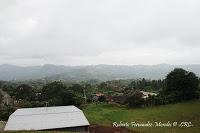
{"x": 96, "y": 96}
{"x": 146, "y": 94}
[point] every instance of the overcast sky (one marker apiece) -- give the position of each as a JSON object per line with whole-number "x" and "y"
{"x": 77, "y": 32}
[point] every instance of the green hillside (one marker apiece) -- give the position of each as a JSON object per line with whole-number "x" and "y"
{"x": 182, "y": 112}
{"x": 84, "y": 73}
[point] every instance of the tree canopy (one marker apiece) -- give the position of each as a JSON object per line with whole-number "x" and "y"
{"x": 182, "y": 84}
{"x": 57, "y": 94}
{"x": 24, "y": 92}
{"x": 135, "y": 100}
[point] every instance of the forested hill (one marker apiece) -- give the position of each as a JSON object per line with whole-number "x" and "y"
{"x": 98, "y": 72}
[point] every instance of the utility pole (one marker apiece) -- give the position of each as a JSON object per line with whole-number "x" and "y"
{"x": 46, "y": 103}
{"x": 84, "y": 95}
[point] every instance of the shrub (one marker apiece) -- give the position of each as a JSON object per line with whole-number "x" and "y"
{"x": 135, "y": 100}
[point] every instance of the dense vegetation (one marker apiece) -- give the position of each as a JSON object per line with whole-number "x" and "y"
{"x": 1, "y": 98}
{"x": 179, "y": 85}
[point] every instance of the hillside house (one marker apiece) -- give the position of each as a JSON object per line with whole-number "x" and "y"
{"x": 96, "y": 96}
{"x": 146, "y": 94}
{"x": 7, "y": 100}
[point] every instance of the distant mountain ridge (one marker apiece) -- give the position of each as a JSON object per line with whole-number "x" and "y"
{"x": 98, "y": 72}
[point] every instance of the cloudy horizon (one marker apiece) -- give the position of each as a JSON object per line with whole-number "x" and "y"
{"x": 116, "y": 32}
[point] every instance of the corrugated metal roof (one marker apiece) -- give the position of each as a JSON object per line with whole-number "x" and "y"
{"x": 46, "y": 118}
{"x": 45, "y": 110}
{"x": 146, "y": 94}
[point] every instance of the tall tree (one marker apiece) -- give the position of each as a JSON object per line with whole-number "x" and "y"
{"x": 182, "y": 84}
{"x": 24, "y": 92}
{"x": 57, "y": 94}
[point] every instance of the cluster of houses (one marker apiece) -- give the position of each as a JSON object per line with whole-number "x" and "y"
{"x": 96, "y": 96}
{"x": 68, "y": 118}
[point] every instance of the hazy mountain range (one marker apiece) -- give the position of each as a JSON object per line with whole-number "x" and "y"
{"x": 98, "y": 72}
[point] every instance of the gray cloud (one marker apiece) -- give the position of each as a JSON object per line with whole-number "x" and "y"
{"x": 99, "y": 32}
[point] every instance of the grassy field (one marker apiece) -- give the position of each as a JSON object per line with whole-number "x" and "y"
{"x": 105, "y": 114}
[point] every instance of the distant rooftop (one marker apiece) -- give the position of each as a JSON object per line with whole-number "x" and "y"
{"x": 146, "y": 94}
